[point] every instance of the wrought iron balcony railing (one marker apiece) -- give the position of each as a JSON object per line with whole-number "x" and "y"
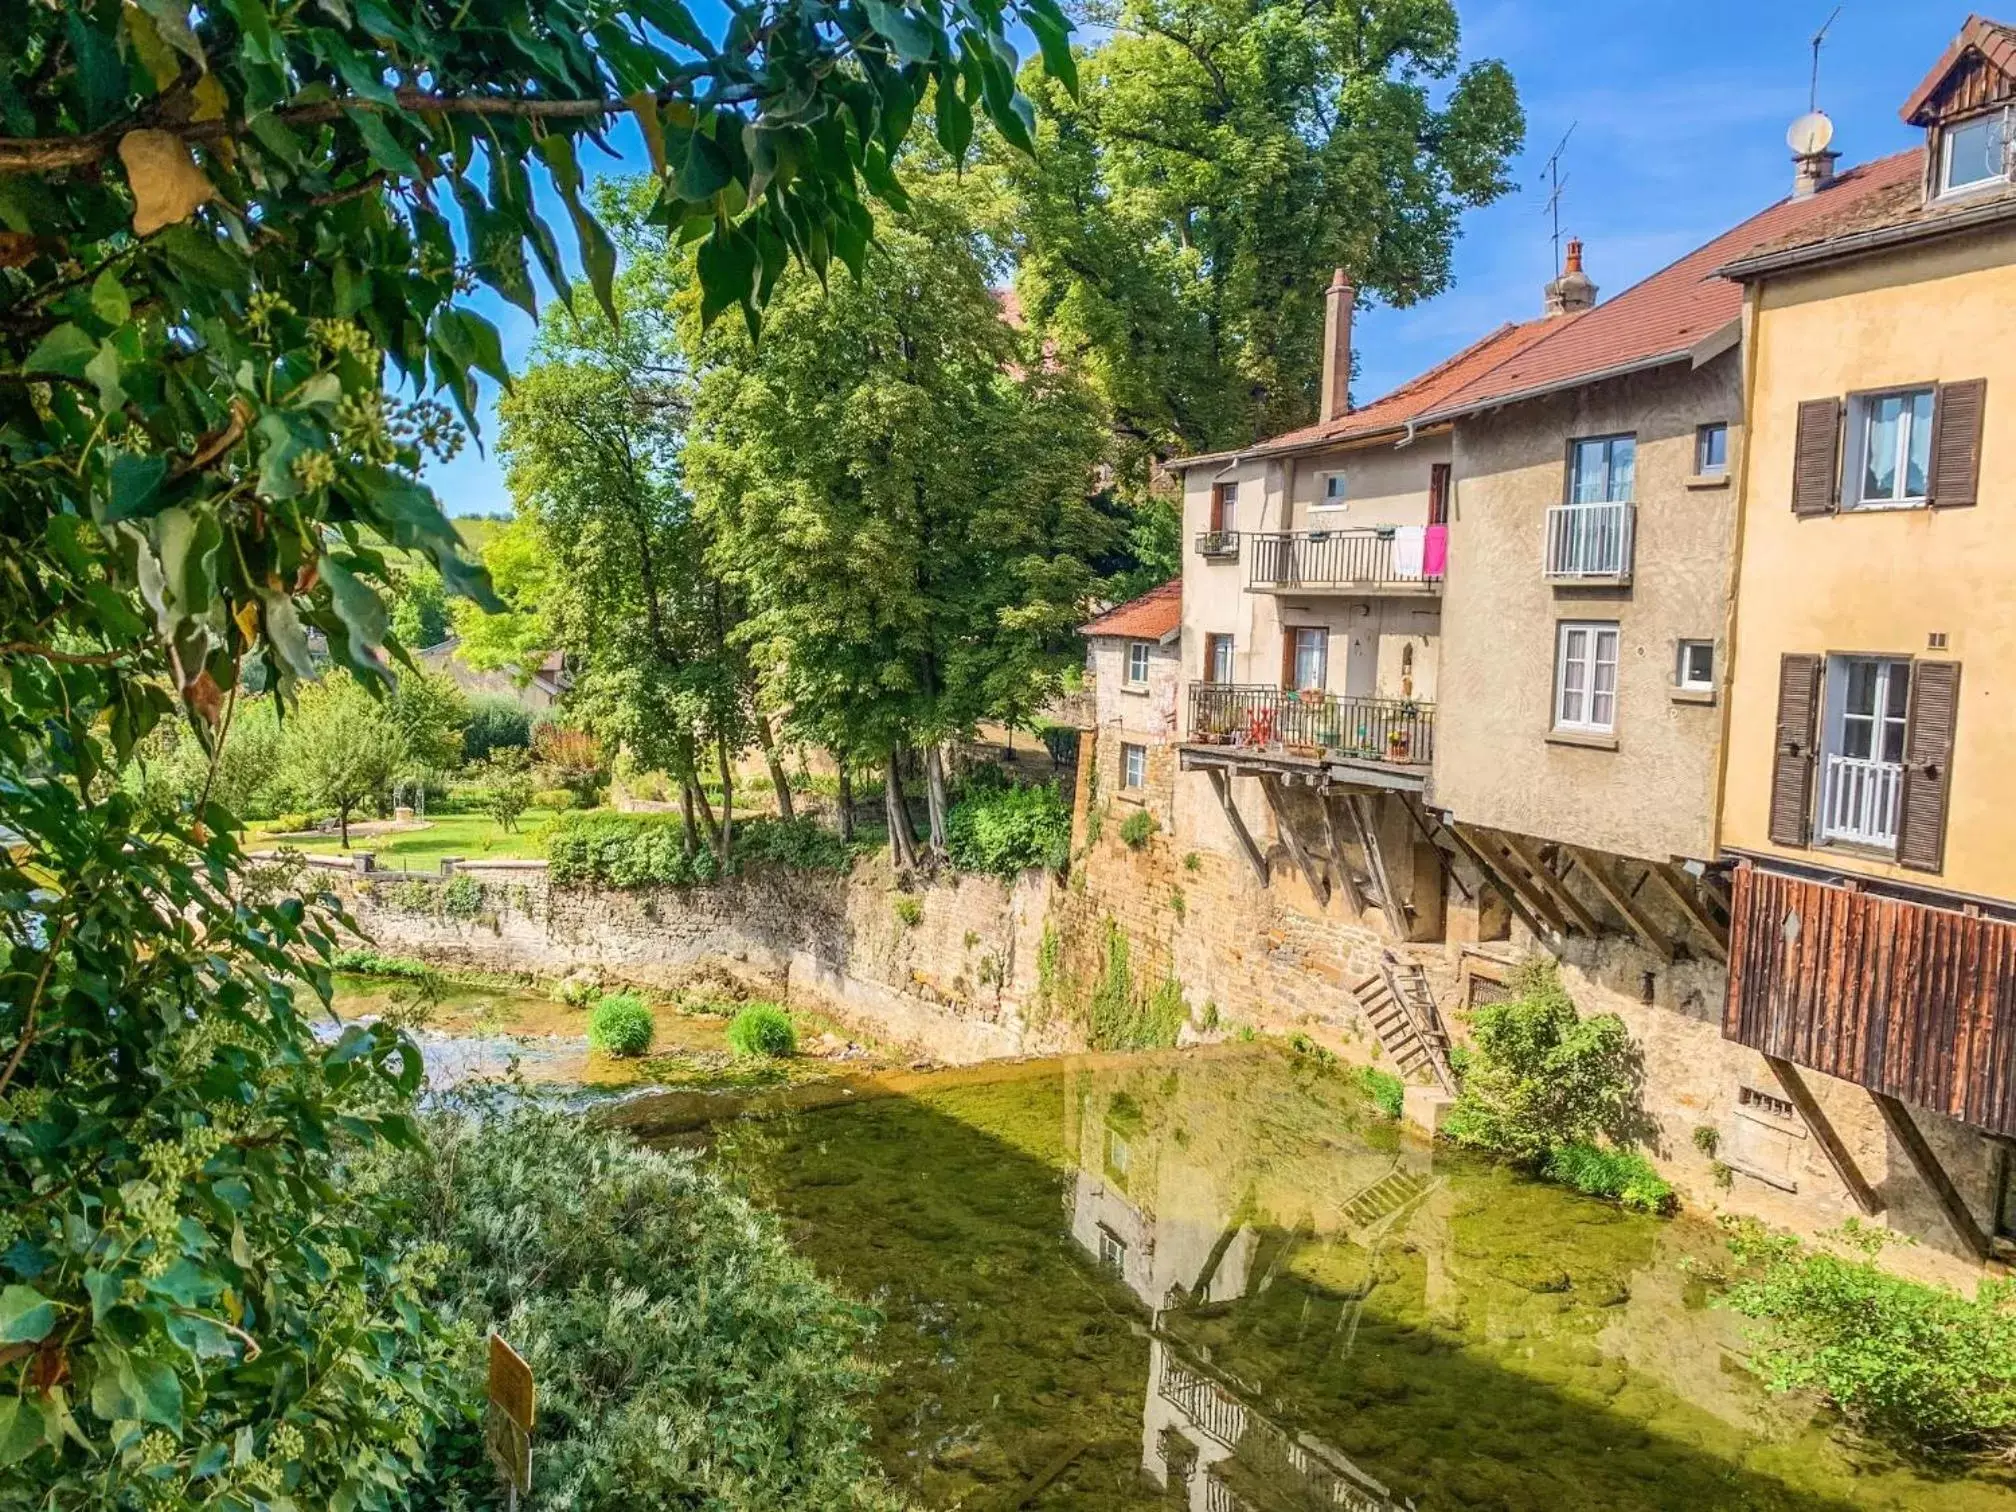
{"x": 1351, "y": 559}
{"x": 1381, "y": 729}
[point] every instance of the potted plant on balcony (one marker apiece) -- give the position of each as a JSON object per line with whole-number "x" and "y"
{"x": 1397, "y": 745}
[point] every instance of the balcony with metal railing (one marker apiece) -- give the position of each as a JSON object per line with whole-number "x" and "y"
{"x": 1398, "y": 560}
{"x": 1312, "y": 725}
{"x": 1590, "y": 543}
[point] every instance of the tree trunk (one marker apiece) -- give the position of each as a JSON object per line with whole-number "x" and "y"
{"x": 343, "y": 823}
{"x": 727, "y": 798}
{"x": 902, "y": 841}
{"x": 691, "y": 841}
{"x": 934, "y": 798}
{"x": 846, "y": 801}
{"x": 712, "y": 830}
{"x": 780, "y": 781}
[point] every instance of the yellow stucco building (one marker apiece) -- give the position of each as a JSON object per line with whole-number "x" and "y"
{"x": 1872, "y": 699}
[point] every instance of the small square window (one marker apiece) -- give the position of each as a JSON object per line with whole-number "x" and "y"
{"x": 1133, "y": 767}
{"x": 1696, "y": 670}
{"x": 1112, "y": 1250}
{"x": 1137, "y": 664}
{"x": 1711, "y": 449}
{"x": 1335, "y": 492}
{"x": 1976, "y": 154}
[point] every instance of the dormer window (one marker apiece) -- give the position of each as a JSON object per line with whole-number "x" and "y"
{"x": 1975, "y": 154}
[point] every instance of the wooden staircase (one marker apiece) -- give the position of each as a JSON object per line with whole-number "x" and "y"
{"x": 1401, "y": 1009}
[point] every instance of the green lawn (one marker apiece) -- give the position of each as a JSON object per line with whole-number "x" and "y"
{"x": 475, "y": 837}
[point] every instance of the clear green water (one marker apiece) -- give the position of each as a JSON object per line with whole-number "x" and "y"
{"x": 1221, "y": 1282}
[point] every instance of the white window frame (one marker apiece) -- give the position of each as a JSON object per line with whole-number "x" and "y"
{"x": 1857, "y": 452}
{"x": 1324, "y": 499}
{"x": 1834, "y": 745}
{"x": 1950, "y": 190}
{"x": 1133, "y": 767}
{"x": 1575, "y": 677}
{"x": 1321, "y": 638}
{"x": 1701, "y": 435}
{"x": 1683, "y": 677}
{"x": 1146, "y": 652}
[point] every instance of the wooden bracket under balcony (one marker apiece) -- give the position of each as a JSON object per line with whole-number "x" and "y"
{"x": 1270, "y": 786}
{"x": 1221, "y": 784}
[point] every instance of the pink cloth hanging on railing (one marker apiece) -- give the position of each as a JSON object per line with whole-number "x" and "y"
{"x": 1435, "y": 552}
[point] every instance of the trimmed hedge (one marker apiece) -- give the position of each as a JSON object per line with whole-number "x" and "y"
{"x": 648, "y": 850}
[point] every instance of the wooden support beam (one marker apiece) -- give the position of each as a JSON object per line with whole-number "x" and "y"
{"x": 1618, "y": 896}
{"x": 1494, "y": 881}
{"x": 1270, "y": 786}
{"x": 1514, "y": 872}
{"x": 1411, "y": 806}
{"x": 1346, "y": 877}
{"x": 1368, "y": 836}
{"x": 1528, "y": 855}
{"x": 1222, "y": 785}
{"x": 1681, "y": 889}
{"x": 1823, "y": 1130}
{"x": 1906, "y": 1132}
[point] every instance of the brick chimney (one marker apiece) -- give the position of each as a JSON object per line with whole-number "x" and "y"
{"x": 1572, "y": 292}
{"x": 1812, "y": 171}
{"x": 1338, "y": 300}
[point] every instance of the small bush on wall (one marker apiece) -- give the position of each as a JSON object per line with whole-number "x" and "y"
{"x": 1137, "y": 828}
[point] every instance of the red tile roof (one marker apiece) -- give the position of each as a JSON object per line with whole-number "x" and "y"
{"x": 1157, "y": 613}
{"x": 1669, "y": 314}
{"x": 1993, "y": 40}
{"x": 1420, "y": 394}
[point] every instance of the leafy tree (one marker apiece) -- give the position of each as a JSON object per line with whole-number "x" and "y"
{"x": 430, "y": 713}
{"x": 419, "y": 604}
{"x": 224, "y": 230}
{"x": 898, "y": 484}
{"x": 240, "y": 771}
{"x": 516, "y": 634}
{"x": 497, "y": 722}
{"x": 342, "y": 749}
{"x": 1179, "y": 223}
{"x": 507, "y": 796}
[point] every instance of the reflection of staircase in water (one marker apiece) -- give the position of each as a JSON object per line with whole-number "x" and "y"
{"x": 1296, "y": 1470}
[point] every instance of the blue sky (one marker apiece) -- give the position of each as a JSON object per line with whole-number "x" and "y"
{"x": 1680, "y": 112}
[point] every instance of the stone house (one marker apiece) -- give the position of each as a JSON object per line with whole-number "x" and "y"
{"x": 1133, "y": 670}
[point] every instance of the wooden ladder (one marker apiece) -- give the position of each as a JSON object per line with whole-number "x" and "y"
{"x": 1401, "y": 1009}
{"x": 1386, "y": 1196}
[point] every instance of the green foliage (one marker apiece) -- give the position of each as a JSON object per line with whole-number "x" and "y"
{"x": 1095, "y": 823}
{"x": 1121, "y": 1016}
{"x": 1918, "y": 1365}
{"x": 763, "y": 1029}
{"x": 1387, "y": 1091}
{"x": 1541, "y": 1076}
{"x": 419, "y": 603}
{"x": 1624, "y": 1176}
{"x": 1707, "y": 1139}
{"x": 603, "y": 849}
{"x": 621, "y": 1024}
{"x": 908, "y": 908}
{"x": 1049, "y": 969}
{"x": 1193, "y": 862}
{"x": 497, "y": 722}
{"x": 462, "y": 896}
{"x": 578, "y": 990}
{"x": 429, "y": 712}
{"x": 685, "y": 1356}
{"x": 507, "y": 795}
{"x": 1138, "y": 828}
{"x": 342, "y": 748}
{"x": 558, "y": 799}
{"x": 1007, "y": 831}
{"x": 359, "y": 962}
{"x": 172, "y": 767}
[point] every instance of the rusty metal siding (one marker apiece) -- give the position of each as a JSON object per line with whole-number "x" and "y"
{"x": 1915, "y": 1002}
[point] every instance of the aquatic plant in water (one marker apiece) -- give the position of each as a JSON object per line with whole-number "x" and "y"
{"x": 1622, "y": 1175}
{"x": 763, "y": 1029}
{"x": 620, "y": 1025}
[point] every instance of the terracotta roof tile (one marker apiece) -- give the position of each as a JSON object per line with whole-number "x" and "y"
{"x": 1899, "y": 208}
{"x": 1668, "y": 314}
{"x": 1993, "y": 40}
{"x": 1157, "y": 613}
{"x": 1422, "y": 393}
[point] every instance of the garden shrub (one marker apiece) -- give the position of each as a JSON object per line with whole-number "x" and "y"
{"x": 686, "y": 1356}
{"x": 1623, "y": 1176}
{"x": 648, "y": 850}
{"x": 1920, "y": 1366}
{"x": 763, "y": 1029}
{"x": 1539, "y": 1075}
{"x": 1387, "y": 1091}
{"x": 621, "y": 1025}
{"x": 497, "y": 722}
{"x": 1003, "y": 831}
{"x": 558, "y": 799}
{"x": 1137, "y": 827}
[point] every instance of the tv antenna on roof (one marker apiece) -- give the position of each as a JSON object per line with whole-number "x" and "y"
{"x": 1555, "y": 184}
{"x": 1819, "y": 37}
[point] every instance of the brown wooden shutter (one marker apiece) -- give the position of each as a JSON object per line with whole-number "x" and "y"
{"x": 1438, "y": 493}
{"x": 1288, "y": 659}
{"x": 1816, "y": 455}
{"x": 1792, "y": 770}
{"x": 1928, "y": 761}
{"x": 1217, "y": 507}
{"x": 1957, "y": 416}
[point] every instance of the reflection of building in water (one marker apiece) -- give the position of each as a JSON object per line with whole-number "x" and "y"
{"x": 1191, "y": 1235}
